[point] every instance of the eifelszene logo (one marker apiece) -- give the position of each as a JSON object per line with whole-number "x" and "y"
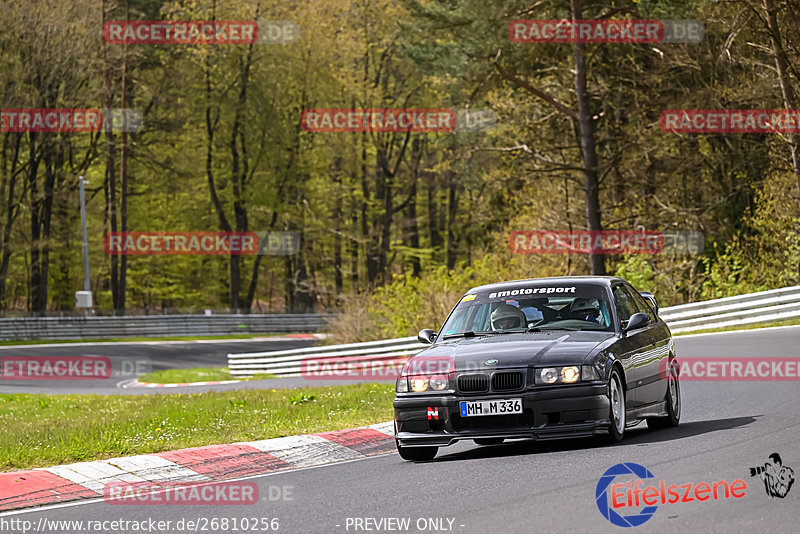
{"x": 601, "y": 495}
{"x": 614, "y": 498}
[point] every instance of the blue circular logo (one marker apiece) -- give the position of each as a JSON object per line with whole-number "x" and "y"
{"x": 601, "y": 496}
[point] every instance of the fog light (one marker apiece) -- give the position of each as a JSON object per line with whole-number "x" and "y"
{"x": 419, "y": 383}
{"x": 548, "y": 375}
{"x": 570, "y": 374}
{"x": 438, "y": 382}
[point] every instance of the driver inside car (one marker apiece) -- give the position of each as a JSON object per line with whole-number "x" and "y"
{"x": 585, "y": 310}
{"x": 506, "y": 317}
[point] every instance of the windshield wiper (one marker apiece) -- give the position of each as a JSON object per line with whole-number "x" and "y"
{"x": 468, "y": 333}
{"x": 571, "y": 329}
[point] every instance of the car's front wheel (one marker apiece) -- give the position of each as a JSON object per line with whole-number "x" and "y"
{"x": 673, "y": 400}
{"x": 617, "y": 414}
{"x": 417, "y": 454}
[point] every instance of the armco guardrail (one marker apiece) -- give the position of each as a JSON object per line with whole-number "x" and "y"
{"x": 156, "y": 326}
{"x": 288, "y": 362}
{"x": 774, "y": 305}
{"x": 765, "y": 306}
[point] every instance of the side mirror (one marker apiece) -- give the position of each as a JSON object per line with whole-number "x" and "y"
{"x": 426, "y": 336}
{"x": 637, "y": 320}
{"x": 649, "y": 297}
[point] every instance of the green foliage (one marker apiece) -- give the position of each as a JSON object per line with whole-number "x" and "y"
{"x": 375, "y": 208}
{"x": 637, "y": 271}
{"x": 299, "y": 397}
{"x": 765, "y": 252}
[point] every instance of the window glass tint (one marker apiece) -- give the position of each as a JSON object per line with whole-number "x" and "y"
{"x": 626, "y": 306}
{"x": 641, "y": 304}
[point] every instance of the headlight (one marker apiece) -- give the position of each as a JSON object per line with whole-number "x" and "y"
{"x": 548, "y": 375}
{"x": 422, "y": 383}
{"x": 570, "y": 374}
{"x": 419, "y": 383}
{"x": 438, "y": 382}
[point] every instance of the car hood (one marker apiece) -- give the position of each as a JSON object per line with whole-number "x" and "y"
{"x": 519, "y": 350}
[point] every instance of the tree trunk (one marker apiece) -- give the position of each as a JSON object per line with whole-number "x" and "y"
{"x": 41, "y": 216}
{"x": 434, "y": 229}
{"x": 337, "y": 226}
{"x": 123, "y": 175}
{"x": 111, "y": 183}
{"x": 782, "y": 62}
{"x": 12, "y": 210}
{"x": 587, "y": 145}
{"x": 789, "y": 102}
{"x": 370, "y": 252}
{"x": 384, "y": 193}
{"x": 413, "y": 227}
{"x": 452, "y": 209}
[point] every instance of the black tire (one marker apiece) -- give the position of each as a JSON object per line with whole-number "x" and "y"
{"x": 673, "y": 399}
{"x": 417, "y": 454}
{"x": 617, "y": 414}
{"x": 489, "y": 441}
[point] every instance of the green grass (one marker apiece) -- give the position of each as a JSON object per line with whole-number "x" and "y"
{"x": 754, "y": 326}
{"x": 131, "y": 339}
{"x": 43, "y": 430}
{"x": 198, "y": 374}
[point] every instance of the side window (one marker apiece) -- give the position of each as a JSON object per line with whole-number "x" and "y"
{"x": 624, "y": 302}
{"x": 642, "y": 305}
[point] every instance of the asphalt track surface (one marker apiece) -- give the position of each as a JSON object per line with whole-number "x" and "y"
{"x": 529, "y": 487}
{"x": 142, "y": 357}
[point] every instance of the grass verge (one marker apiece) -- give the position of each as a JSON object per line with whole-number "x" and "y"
{"x": 198, "y": 374}
{"x": 135, "y": 339}
{"x": 44, "y": 430}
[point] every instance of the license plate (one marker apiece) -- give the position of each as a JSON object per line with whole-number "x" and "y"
{"x": 490, "y": 407}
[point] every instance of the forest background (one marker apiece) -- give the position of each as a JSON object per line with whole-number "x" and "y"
{"x": 393, "y": 226}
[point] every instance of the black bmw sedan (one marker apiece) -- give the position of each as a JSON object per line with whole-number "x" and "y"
{"x": 545, "y": 358}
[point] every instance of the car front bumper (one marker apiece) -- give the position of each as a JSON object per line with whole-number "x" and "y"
{"x": 579, "y": 410}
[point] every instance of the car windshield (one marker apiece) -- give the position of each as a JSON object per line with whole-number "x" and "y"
{"x": 531, "y": 306}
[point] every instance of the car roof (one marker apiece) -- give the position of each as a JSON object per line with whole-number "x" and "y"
{"x": 588, "y": 280}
